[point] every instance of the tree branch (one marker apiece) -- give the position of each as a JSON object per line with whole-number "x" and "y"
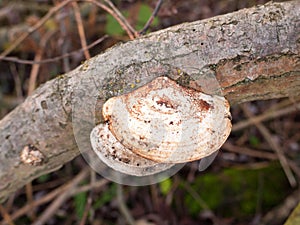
{"x": 251, "y": 54}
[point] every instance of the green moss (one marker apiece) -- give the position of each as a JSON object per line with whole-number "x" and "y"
{"x": 238, "y": 192}
{"x": 184, "y": 79}
{"x": 106, "y": 197}
{"x": 114, "y": 85}
{"x": 113, "y": 27}
{"x": 43, "y": 178}
{"x": 165, "y": 186}
{"x": 144, "y": 14}
{"x": 80, "y": 202}
{"x": 254, "y": 141}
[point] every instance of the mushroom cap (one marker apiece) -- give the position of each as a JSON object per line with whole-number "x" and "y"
{"x": 118, "y": 157}
{"x": 168, "y": 123}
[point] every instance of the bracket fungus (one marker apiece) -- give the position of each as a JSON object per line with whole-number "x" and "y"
{"x": 158, "y": 125}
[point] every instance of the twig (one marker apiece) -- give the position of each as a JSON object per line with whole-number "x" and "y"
{"x": 41, "y": 201}
{"x": 80, "y": 29}
{"x": 51, "y": 184}
{"x": 294, "y": 167}
{"x": 10, "y": 202}
{"x": 34, "y": 71}
{"x": 113, "y": 11}
{"x": 259, "y": 198}
{"x": 89, "y": 200}
{"x": 199, "y": 200}
{"x": 251, "y": 165}
{"x": 116, "y": 16}
{"x": 282, "y": 159}
{"x": 265, "y": 116}
{"x": 280, "y": 213}
{"x": 89, "y": 187}
{"x": 17, "y": 80}
{"x": 53, "y": 194}
{"x": 86, "y": 210}
{"x": 154, "y": 197}
{"x": 38, "y": 56}
{"x": 30, "y": 62}
{"x": 6, "y": 216}
{"x": 29, "y": 196}
{"x": 195, "y": 195}
{"x": 284, "y": 103}
{"x": 19, "y": 40}
{"x": 124, "y": 20}
{"x": 247, "y": 151}
{"x": 52, "y": 208}
{"x": 65, "y": 43}
{"x": 154, "y": 13}
{"x": 51, "y": 12}
{"x": 122, "y": 206}
{"x": 170, "y": 196}
{"x": 46, "y": 198}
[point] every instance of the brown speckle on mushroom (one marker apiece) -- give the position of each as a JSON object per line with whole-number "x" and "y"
{"x": 186, "y": 125}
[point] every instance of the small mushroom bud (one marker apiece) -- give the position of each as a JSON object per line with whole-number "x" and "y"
{"x": 158, "y": 125}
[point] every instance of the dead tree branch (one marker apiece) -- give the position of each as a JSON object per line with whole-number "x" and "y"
{"x": 253, "y": 54}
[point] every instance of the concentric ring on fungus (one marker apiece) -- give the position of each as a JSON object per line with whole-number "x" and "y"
{"x": 160, "y": 124}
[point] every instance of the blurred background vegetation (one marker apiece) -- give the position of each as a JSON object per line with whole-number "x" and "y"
{"x": 244, "y": 185}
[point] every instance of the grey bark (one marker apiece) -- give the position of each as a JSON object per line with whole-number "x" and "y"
{"x": 252, "y": 54}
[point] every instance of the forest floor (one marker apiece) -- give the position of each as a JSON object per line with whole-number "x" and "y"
{"x": 246, "y": 183}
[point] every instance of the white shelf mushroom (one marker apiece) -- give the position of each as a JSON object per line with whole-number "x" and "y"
{"x": 158, "y": 125}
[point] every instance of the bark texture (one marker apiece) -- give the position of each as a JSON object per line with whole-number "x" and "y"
{"x": 251, "y": 54}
